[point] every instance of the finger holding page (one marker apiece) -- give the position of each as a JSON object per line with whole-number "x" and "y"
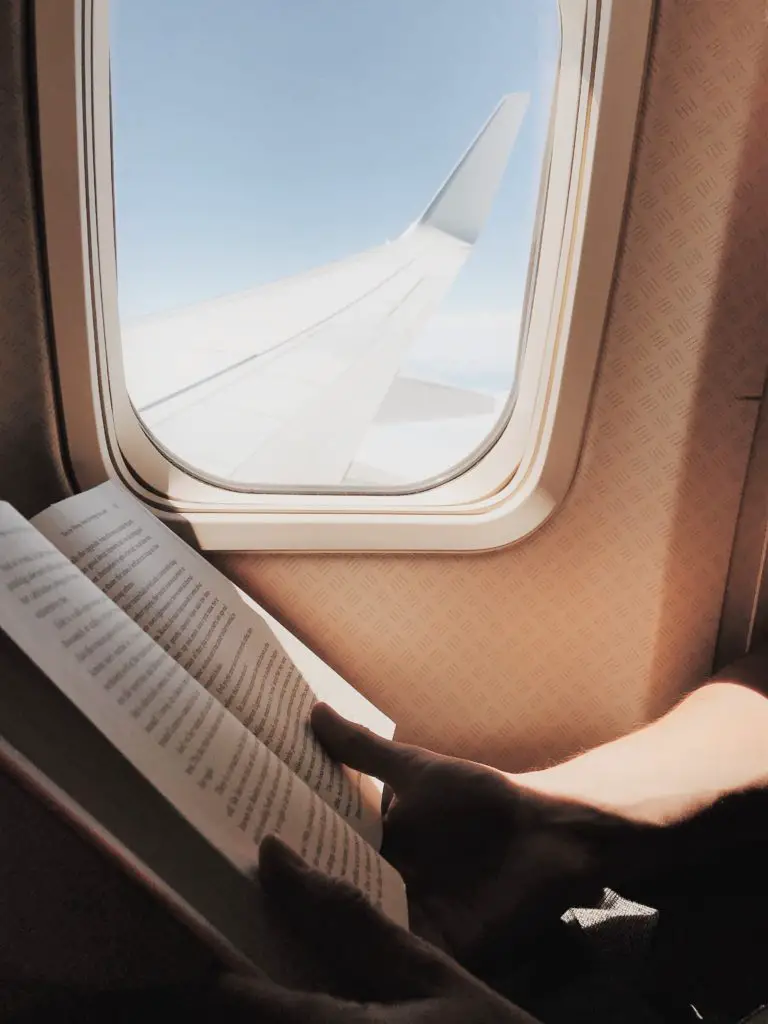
{"x": 366, "y": 953}
{"x": 359, "y": 748}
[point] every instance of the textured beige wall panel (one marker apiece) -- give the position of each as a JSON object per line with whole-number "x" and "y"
{"x": 603, "y": 617}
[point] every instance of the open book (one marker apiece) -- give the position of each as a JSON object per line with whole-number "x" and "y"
{"x": 184, "y": 676}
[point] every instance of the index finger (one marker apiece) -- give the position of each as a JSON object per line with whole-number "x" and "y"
{"x": 363, "y": 750}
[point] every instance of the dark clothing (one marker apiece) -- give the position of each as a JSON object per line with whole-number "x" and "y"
{"x": 701, "y": 953}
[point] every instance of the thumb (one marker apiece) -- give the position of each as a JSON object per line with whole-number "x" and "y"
{"x": 363, "y": 750}
{"x": 371, "y": 957}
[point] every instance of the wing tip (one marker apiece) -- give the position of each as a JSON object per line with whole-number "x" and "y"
{"x": 461, "y": 205}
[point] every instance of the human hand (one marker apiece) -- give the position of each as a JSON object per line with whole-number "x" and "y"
{"x": 485, "y": 860}
{"x": 378, "y": 972}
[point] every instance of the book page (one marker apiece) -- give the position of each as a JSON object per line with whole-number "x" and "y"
{"x": 200, "y": 757}
{"x": 200, "y": 618}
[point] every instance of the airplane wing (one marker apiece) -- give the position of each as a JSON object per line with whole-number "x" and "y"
{"x": 411, "y": 400}
{"x": 278, "y": 385}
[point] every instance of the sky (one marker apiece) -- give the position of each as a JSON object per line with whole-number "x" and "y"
{"x": 254, "y": 139}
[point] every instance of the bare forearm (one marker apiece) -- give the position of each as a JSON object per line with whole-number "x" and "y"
{"x": 714, "y": 742}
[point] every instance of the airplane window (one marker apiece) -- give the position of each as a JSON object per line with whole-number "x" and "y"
{"x": 325, "y": 216}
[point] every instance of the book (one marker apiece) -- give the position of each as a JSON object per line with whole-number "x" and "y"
{"x": 192, "y": 684}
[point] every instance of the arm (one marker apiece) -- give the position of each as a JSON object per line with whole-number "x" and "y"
{"x": 713, "y": 743}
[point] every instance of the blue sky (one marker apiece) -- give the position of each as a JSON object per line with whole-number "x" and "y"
{"x": 259, "y": 138}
